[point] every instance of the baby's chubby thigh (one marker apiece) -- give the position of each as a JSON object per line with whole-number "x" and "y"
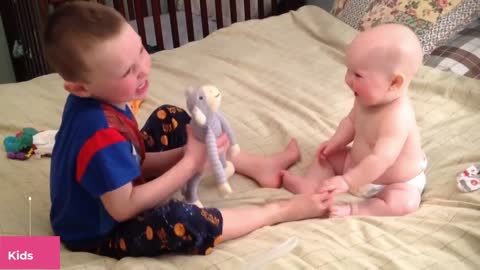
{"x": 402, "y": 198}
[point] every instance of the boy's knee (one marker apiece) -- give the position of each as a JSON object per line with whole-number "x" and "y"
{"x": 168, "y": 111}
{"x": 165, "y": 129}
{"x": 200, "y": 228}
{"x": 191, "y": 229}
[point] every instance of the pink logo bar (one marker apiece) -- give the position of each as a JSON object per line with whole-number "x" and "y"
{"x": 29, "y": 252}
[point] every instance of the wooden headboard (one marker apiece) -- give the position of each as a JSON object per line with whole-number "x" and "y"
{"x": 24, "y": 19}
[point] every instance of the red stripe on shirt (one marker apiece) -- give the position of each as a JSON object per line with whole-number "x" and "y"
{"x": 100, "y": 140}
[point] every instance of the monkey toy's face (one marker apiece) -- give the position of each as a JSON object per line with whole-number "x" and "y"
{"x": 212, "y": 96}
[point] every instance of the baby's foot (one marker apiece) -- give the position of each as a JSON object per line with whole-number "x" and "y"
{"x": 270, "y": 175}
{"x": 298, "y": 184}
{"x": 340, "y": 210}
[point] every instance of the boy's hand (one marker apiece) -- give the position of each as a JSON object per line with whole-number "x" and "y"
{"x": 198, "y": 151}
{"x": 223, "y": 143}
{"x": 195, "y": 151}
{"x": 336, "y": 184}
{"x": 234, "y": 150}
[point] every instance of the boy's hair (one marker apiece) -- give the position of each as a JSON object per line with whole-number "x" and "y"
{"x": 73, "y": 30}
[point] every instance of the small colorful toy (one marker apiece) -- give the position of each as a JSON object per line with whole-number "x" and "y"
{"x": 469, "y": 179}
{"x": 21, "y": 145}
{"x": 207, "y": 125}
{"x": 28, "y": 142}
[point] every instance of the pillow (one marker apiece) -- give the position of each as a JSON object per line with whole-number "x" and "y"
{"x": 460, "y": 54}
{"x": 351, "y": 11}
{"x": 434, "y": 21}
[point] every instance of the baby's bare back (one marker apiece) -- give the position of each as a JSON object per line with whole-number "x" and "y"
{"x": 368, "y": 124}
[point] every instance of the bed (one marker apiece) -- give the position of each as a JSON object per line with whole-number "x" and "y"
{"x": 282, "y": 77}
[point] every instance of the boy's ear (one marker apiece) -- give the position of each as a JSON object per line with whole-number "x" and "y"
{"x": 397, "y": 81}
{"x": 77, "y": 89}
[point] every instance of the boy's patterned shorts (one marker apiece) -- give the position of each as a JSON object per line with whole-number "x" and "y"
{"x": 174, "y": 227}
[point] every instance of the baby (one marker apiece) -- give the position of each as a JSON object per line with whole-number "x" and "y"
{"x": 385, "y": 163}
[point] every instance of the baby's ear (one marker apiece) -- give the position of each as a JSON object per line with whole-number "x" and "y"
{"x": 76, "y": 89}
{"x": 397, "y": 81}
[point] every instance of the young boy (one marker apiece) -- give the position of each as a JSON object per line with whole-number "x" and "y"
{"x": 101, "y": 201}
{"x": 386, "y": 163}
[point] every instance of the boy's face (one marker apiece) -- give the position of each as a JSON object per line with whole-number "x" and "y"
{"x": 119, "y": 69}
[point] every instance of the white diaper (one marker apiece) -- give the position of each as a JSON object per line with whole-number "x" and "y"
{"x": 371, "y": 190}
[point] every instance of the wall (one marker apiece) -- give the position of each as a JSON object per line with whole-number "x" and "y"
{"x": 325, "y": 4}
{"x": 6, "y": 69}
{"x": 163, "y": 5}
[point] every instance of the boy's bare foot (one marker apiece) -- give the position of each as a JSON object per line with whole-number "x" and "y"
{"x": 298, "y": 184}
{"x": 269, "y": 176}
{"x": 340, "y": 210}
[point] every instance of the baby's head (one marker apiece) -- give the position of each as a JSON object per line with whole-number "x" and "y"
{"x": 381, "y": 63}
{"x": 97, "y": 53}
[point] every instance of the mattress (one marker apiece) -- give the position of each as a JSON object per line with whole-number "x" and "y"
{"x": 282, "y": 77}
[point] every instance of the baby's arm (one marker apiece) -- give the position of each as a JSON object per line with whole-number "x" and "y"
{"x": 393, "y": 132}
{"x": 342, "y": 136}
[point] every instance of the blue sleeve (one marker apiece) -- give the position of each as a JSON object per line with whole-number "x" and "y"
{"x": 110, "y": 168}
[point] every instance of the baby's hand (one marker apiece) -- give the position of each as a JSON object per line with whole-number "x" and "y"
{"x": 336, "y": 184}
{"x": 325, "y": 149}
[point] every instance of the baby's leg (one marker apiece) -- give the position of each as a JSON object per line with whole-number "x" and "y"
{"x": 394, "y": 200}
{"x": 319, "y": 170}
{"x": 265, "y": 170}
